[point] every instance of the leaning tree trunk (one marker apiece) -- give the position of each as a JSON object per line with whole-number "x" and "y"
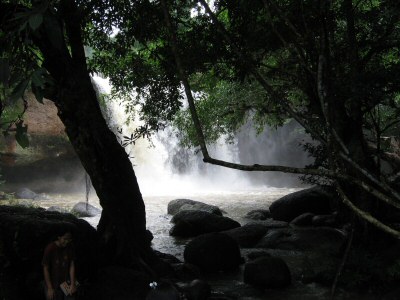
{"x": 123, "y": 222}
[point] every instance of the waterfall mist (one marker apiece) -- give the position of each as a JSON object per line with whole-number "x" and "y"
{"x": 162, "y": 166}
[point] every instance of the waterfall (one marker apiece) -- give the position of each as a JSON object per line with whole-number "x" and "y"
{"x": 163, "y": 167}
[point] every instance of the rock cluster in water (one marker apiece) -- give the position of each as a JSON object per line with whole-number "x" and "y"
{"x": 297, "y": 240}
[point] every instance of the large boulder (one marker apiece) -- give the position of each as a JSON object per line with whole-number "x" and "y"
{"x": 267, "y": 272}
{"x": 84, "y": 210}
{"x": 318, "y": 239}
{"x": 24, "y": 233}
{"x": 314, "y": 200}
{"x": 305, "y": 219}
{"x": 178, "y": 205}
{"x": 190, "y": 223}
{"x": 247, "y": 235}
{"x": 213, "y": 252}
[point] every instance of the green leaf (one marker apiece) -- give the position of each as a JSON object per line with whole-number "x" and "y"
{"x": 19, "y": 91}
{"x": 35, "y": 21}
{"x": 37, "y": 78}
{"x": 21, "y": 135}
{"x": 38, "y": 92}
{"x": 22, "y": 27}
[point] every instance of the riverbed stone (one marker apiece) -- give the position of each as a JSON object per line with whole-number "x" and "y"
{"x": 270, "y": 223}
{"x": 305, "y": 219}
{"x": 314, "y": 200}
{"x": 247, "y": 235}
{"x": 258, "y": 214}
{"x": 84, "y": 210}
{"x": 178, "y": 205}
{"x": 25, "y": 193}
{"x": 189, "y": 223}
{"x": 304, "y": 266}
{"x": 325, "y": 220}
{"x": 196, "y": 289}
{"x": 213, "y": 252}
{"x": 319, "y": 239}
{"x": 267, "y": 272}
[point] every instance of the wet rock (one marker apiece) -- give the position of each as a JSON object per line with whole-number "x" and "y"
{"x": 25, "y": 193}
{"x": 178, "y": 205}
{"x": 83, "y": 210}
{"x": 322, "y": 240}
{"x": 116, "y": 282}
{"x": 239, "y": 290}
{"x": 186, "y": 272}
{"x": 247, "y": 235}
{"x": 271, "y": 223}
{"x": 305, "y": 219}
{"x": 196, "y": 289}
{"x": 324, "y": 220}
{"x": 57, "y": 209}
{"x": 314, "y": 200}
{"x": 267, "y": 272}
{"x": 304, "y": 266}
{"x": 190, "y": 223}
{"x": 259, "y": 214}
{"x": 213, "y": 252}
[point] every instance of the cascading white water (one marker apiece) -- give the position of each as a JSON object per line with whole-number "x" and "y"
{"x": 157, "y": 168}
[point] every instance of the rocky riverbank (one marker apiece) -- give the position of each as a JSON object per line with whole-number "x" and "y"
{"x": 291, "y": 250}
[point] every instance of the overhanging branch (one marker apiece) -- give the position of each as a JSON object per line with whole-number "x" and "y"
{"x": 366, "y": 216}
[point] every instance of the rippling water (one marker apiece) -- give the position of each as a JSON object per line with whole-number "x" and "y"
{"x": 234, "y": 205}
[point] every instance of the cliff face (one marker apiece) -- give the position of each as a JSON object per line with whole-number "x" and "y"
{"x": 42, "y": 119}
{"x": 46, "y": 135}
{"x": 49, "y": 163}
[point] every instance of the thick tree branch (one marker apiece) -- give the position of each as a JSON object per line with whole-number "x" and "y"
{"x": 384, "y": 186}
{"x": 183, "y": 78}
{"x": 366, "y": 216}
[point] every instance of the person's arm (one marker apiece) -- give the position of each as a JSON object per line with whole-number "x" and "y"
{"x": 50, "y": 290}
{"x": 72, "y": 277}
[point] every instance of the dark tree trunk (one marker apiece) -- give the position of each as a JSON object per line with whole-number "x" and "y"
{"x": 123, "y": 224}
